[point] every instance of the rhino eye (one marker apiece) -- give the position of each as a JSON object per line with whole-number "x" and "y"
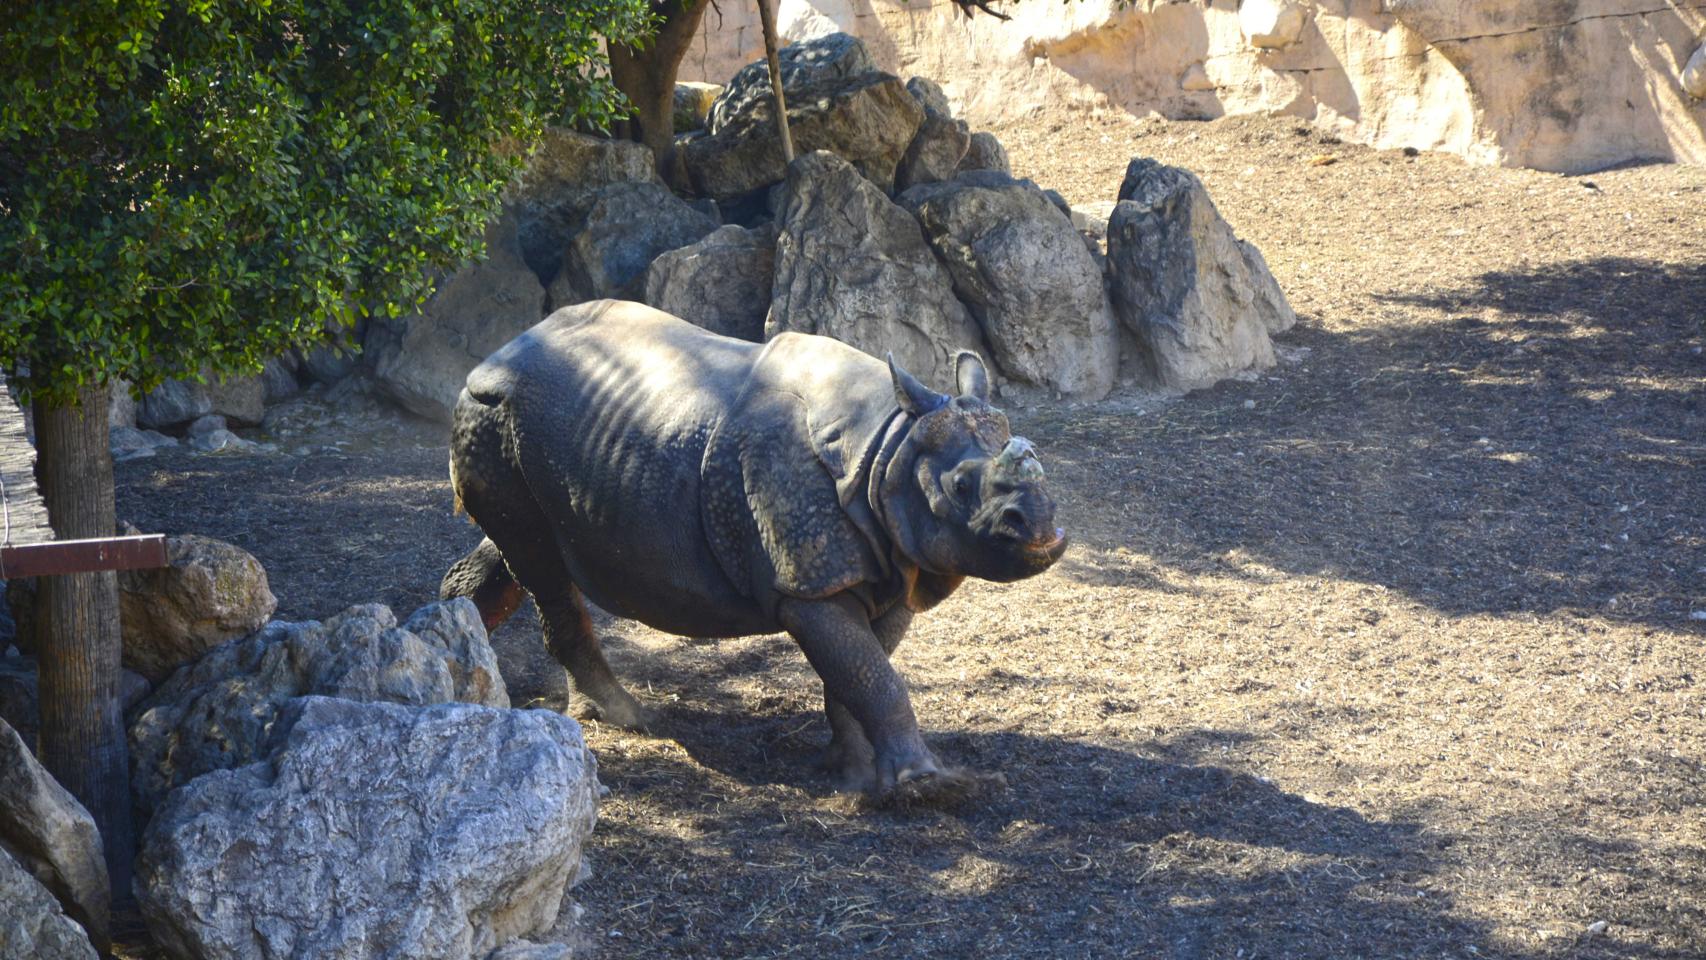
{"x": 962, "y": 486}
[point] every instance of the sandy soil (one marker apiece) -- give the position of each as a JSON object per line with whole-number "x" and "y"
{"x": 1387, "y": 652}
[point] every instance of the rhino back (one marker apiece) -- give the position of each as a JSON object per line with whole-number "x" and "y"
{"x": 610, "y": 405}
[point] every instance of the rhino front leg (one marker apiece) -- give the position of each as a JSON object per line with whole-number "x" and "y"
{"x": 850, "y": 756}
{"x": 839, "y": 642}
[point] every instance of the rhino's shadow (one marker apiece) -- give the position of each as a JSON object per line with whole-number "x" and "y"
{"x": 1207, "y": 857}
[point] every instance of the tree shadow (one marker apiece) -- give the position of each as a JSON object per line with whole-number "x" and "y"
{"x": 1535, "y": 445}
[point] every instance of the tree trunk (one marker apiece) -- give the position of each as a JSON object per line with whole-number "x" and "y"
{"x": 77, "y": 631}
{"x": 646, "y": 75}
{"x": 767, "y": 18}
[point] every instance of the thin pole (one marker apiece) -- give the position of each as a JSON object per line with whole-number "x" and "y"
{"x": 767, "y": 14}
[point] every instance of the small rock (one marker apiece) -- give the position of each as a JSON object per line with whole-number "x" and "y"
{"x": 1694, "y": 74}
{"x": 202, "y": 426}
{"x": 240, "y": 400}
{"x": 985, "y": 152}
{"x": 1597, "y": 927}
{"x": 929, "y": 95}
{"x": 209, "y": 592}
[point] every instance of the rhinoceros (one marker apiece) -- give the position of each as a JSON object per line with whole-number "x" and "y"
{"x": 712, "y": 487}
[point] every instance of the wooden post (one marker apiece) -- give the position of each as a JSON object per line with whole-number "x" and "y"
{"x": 767, "y": 14}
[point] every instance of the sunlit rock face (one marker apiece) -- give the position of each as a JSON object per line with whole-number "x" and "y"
{"x": 1566, "y": 85}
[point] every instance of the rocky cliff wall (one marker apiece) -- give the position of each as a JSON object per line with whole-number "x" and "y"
{"x": 1565, "y": 85}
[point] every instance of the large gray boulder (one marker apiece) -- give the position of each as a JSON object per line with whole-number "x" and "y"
{"x": 721, "y": 283}
{"x": 208, "y": 592}
{"x": 837, "y": 56}
{"x": 556, "y": 188}
{"x": 852, "y": 265}
{"x": 49, "y": 833}
{"x": 1200, "y": 302}
{"x": 173, "y": 403}
{"x": 32, "y": 924}
{"x": 374, "y": 830}
{"x": 421, "y": 360}
{"x": 1028, "y": 278}
{"x": 218, "y": 713}
{"x": 625, "y": 228}
{"x": 868, "y": 119}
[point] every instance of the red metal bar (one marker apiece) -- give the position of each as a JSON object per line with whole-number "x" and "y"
{"x": 83, "y": 556}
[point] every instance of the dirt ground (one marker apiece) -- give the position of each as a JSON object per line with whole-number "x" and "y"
{"x": 1396, "y": 650}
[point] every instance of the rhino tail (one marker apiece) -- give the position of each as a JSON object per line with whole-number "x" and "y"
{"x": 483, "y": 577}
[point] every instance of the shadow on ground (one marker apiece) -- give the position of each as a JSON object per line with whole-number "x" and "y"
{"x": 1135, "y": 849}
{"x": 1536, "y": 443}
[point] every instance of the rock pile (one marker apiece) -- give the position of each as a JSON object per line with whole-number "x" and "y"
{"x": 897, "y": 229}
{"x": 355, "y": 788}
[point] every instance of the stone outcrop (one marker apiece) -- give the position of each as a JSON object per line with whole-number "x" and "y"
{"x": 219, "y": 712}
{"x": 867, "y": 119}
{"x": 421, "y": 360}
{"x": 31, "y": 922}
{"x": 625, "y": 227}
{"x": 48, "y": 833}
{"x": 1555, "y": 85}
{"x": 852, "y": 265}
{"x": 374, "y": 830}
{"x": 1200, "y": 302}
{"x": 209, "y": 592}
{"x": 1028, "y": 278}
{"x": 1694, "y": 74}
{"x": 721, "y": 283}
{"x": 173, "y": 403}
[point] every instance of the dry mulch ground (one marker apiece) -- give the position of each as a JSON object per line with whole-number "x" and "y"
{"x": 1387, "y": 652}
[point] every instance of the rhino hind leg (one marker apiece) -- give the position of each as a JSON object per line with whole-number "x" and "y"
{"x": 483, "y": 577}
{"x": 497, "y": 496}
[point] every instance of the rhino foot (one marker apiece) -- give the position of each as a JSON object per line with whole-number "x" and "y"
{"x": 947, "y": 787}
{"x": 852, "y": 764}
{"x": 620, "y": 711}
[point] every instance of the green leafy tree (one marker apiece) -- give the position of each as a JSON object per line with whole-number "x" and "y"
{"x": 195, "y": 185}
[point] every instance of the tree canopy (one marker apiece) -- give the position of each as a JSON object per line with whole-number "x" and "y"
{"x": 199, "y": 184}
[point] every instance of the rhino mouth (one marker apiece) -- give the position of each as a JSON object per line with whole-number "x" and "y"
{"x": 1047, "y": 551}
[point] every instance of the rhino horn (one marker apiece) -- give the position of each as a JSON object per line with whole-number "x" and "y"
{"x": 1019, "y": 460}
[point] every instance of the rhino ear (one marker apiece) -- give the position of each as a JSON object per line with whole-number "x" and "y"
{"x": 972, "y": 376}
{"x": 914, "y": 397}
